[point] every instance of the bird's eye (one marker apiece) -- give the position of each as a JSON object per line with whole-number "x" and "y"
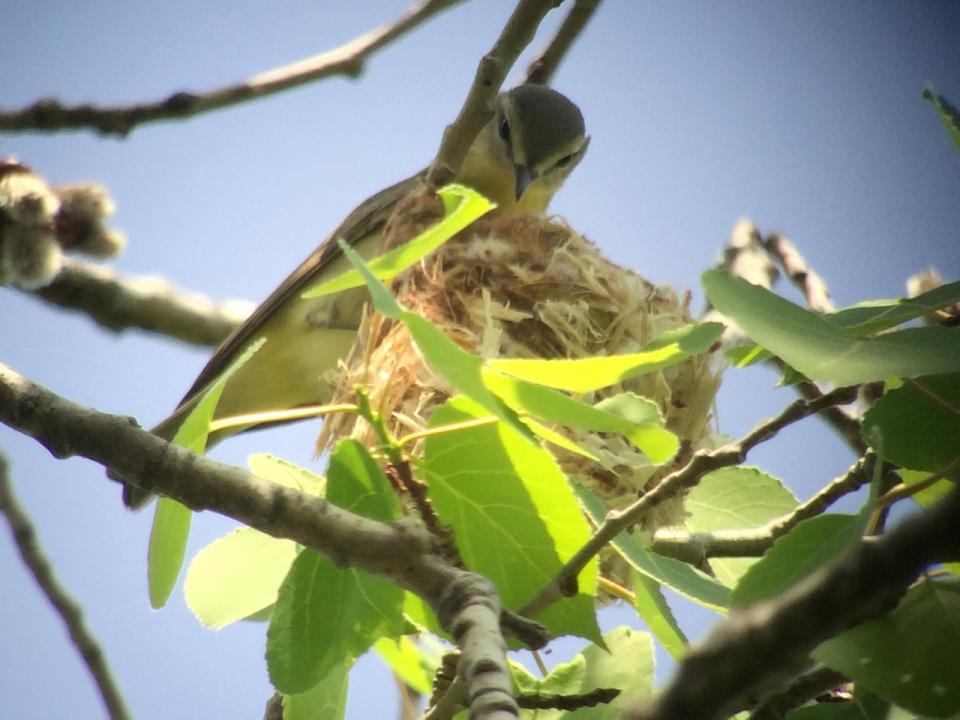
{"x": 564, "y": 161}
{"x": 505, "y": 130}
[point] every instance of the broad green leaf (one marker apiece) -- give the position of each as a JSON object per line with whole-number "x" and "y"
{"x": 562, "y": 441}
{"x": 869, "y": 317}
{"x": 947, "y": 112}
{"x": 822, "y": 349}
{"x": 404, "y": 657}
{"x": 637, "y": 418}
{"x": 679, "y": 576}
{"x": 734, "y": 498}
{"x": 325, "y": 617}
{"x": 806, "y": 548}
{"x": 460, "y": 368}
{"x": 588, "y": 374}
{"x": 863, "y": 706}
{"x": 628, "y": 667}
{"x": 237, "y": 576}
{"x": 327, "y": 700}
{"x": 909, "y": 428}
{"x": 909, "y": 656}
{"x": 171, "y": 520}
{"x": 462, "y": 205}
{"x": 514, "y": 516}
{"x": 652, "y": 606}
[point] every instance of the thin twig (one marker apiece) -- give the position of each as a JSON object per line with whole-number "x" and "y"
{"x": 841, "y": 420}
{"x": 686, "y": 477}
{"x": 762, "y": 642}
{"x": 813, "y": 287}
{"x": 70, "y": 612}
{"x": 600, "y": 696}
{"x": 542, "y": 69}
{"x": 49, "y": 115}
{"x": 120, "y": 303}
{"x": 902, "y": 491}
{"x": 694, "y": 548}
{"x": 491, "y": 72}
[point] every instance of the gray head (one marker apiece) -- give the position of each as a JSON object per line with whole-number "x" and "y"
{"x": 543, "y": 132}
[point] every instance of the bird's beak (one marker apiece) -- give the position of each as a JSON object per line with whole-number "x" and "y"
{"x": 522, "y": 177}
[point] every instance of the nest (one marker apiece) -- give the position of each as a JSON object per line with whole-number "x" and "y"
{"x": 524, "y": 287}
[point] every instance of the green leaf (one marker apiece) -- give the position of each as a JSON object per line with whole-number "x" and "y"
{"x": 325, "y": 617}
{"x": 947, "y": 112}
{"x": 171, "y": 520}
{"x": 628, "y": 667}
{"x": 735, "y": 498}
{"x": 327, "y": 700}
{"x": 909, "y": 428}
{"x": 462, "y": 205}
{"x": 873, "y": 316}
{"x": 822, "y": 349}
{"x": 237, "y": 576}
{"x": 405, "y": 658}
{"x": 679, "y": 576}
{"x": 635, "y": 417}
{"x": 167, "y": 549}
{"x": 806, "y": 548}
{"x": 909, "y": 656}
{"x": 656, "y": 613}
{"x": 588, "y": 374}
{"x": 515, "y": 518}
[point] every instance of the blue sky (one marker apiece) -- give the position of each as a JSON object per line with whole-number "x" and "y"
{"x": 806, "y": 117}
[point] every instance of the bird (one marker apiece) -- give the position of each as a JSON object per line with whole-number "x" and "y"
{"x": 520, "y": 158}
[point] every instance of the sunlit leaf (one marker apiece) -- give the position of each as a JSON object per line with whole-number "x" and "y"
{"x": 515, "y": 519}
{"x": 463, "y": 205}
{"x": 171, "y": 520}
{"x": 587, "y": 374}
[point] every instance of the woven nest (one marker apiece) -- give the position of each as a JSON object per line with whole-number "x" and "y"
{"x": 524, "y": 287}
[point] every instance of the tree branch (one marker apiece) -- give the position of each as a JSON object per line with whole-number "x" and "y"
{"x": 118, "y": 303}
{"x": 756, "y": 644}
{"x": 491, "y": 72}
{"x": 695, "y": 548}
{"x": 24, "y": 536}
{"x": 813, "y": 287}
{"x": 403, "y": 552}
{"x": 49, "y": 115}
{"x": 686, "y": 477}
{"x": 542, "y": 69}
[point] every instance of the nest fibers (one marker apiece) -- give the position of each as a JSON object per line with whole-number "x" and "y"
{"x": 525, "y": 287}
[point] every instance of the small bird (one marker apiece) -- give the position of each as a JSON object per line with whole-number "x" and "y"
{"x": 519, "y": 160}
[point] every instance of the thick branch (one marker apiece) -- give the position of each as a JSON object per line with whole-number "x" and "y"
{"x": 403, "y": 552}
{"x": 542, "y": 69}
{"x": 700, "y": 464}
{"x": 478, "y": 107}
{"x": 51, "y": 116}
{"x": 70, "y": 612}
{"x": 758, "y": 643}
{"x": 118, "y": 303}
